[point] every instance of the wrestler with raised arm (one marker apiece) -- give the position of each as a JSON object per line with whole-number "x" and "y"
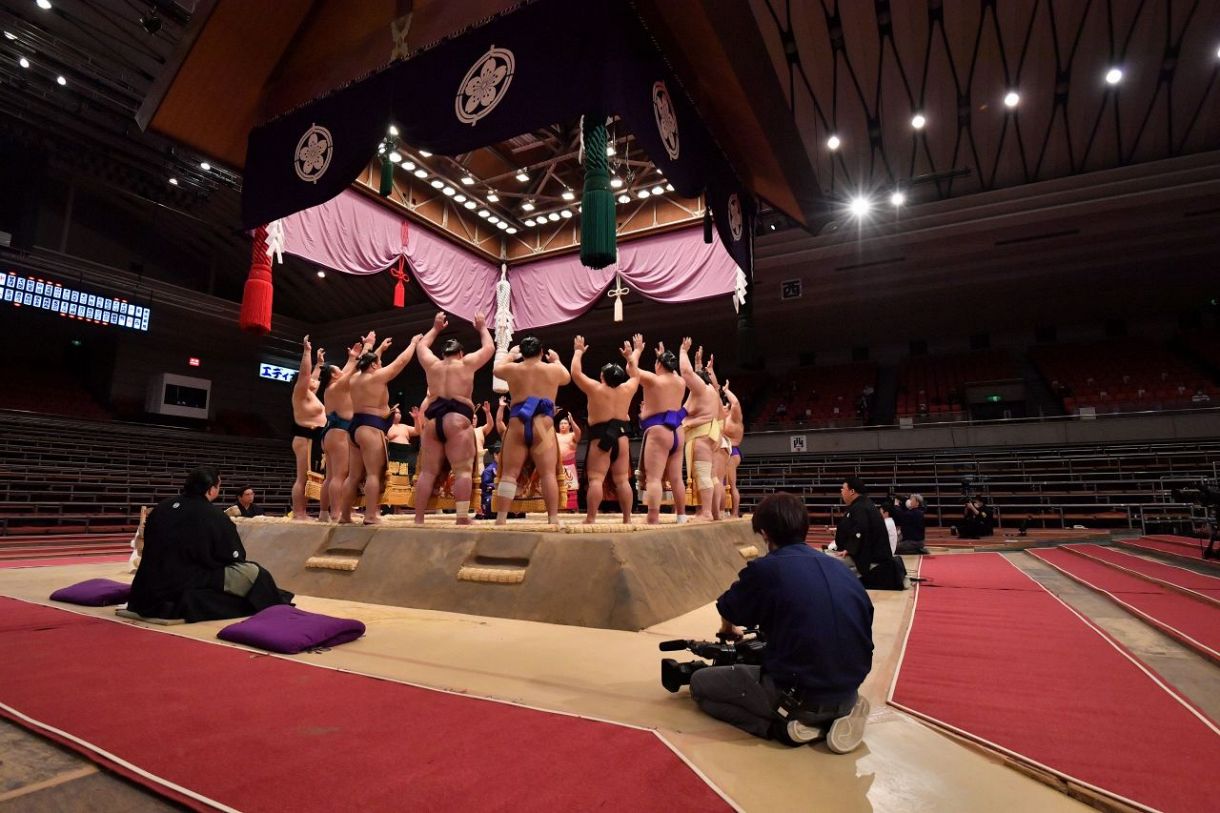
{"x": 661, "y": 417}
{"x": 534, "y": 382}
{"x": 450, "y": 410}
{"x": 702, "y": 428}
{"x": 336, "y": 392}
{"x": 734, "y": 430}
{"x": 370, "y": 422}
{"x": 609, "y": 424}
{"x": 720, "y": 460}
{"x": 308, "y": 418}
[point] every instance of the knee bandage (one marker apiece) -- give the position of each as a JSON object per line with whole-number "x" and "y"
{"x": 461, "y": 507}
{"x": 703, "y": 474}
{"x": 506, "y": 490}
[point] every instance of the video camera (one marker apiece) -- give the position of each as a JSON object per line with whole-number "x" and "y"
{"x": 722, "y": 652}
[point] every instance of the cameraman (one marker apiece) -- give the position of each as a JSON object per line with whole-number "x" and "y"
{"x": 909, "y": 515}
{"x": 817, "y": 621}
{"x": 977, "y": 520}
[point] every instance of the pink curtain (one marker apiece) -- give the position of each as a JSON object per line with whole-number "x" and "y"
{"x": 357, "y": 235}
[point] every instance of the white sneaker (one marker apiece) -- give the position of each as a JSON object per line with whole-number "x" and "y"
{"x": 846, "y": 733}
{"x": 802, "y": 733}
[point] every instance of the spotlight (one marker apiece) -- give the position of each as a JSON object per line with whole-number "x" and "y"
{"x": 1114, "y": 76}
{"x": 502, "y": 226}
{"x": 658, "y": 190}
{"x": 565, "y": 214}
{"x": 459, "y": 199}
{"x": 205, "y": 166}
{"x": 425, "y": 153}
{"x": 483, "y": 213}
{"x": 493, "y": 220}
{"x": 1012, "y": 99}
{"x": 470, "y": 204}
{"x": 610, "y": 149}
{"x": 393, "y": 130}
{"x": 409, "y": 166}
{"x": 23, "y": 62}
{"x": 321, "y": 274}
{"x": 528, "y": 206}
{"x": 437, "y": 183}
{"x": 568, "y": 194}
{"x": 643, "y": 193}
{"x": 173, "y": 181}
{"x": 467, "y": 181}
{"x": 833, "y": 143}
{"x": 45, "y": 5}
{"x": 61, "y": 81}
{"x": 9, "y": 36}
{"x": 529, "y": 222}
{"x": 616, "y": 182}
{"x": 669, "y": 187}
{"x": 624, "y": 199}
{"x": 449, "y": 191}
{"x": 511, "y": 229}
{"x": 918, "y": 121}
{"x": 772, "y": 227}
{"x": 897, "y": 199}
{"x": 860, "y": 206}
{"x": 492, "y": 197}
{"x": 381, "y": 148}
{"x": 523, "y": 176}
{"x": 553, "y": 217}
{"x": 419, "y": 173}
{"x": 395, "y": 157}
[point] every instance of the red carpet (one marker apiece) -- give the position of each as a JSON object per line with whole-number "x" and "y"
{"x": 1172, "y": 547}
{"x": 260, "y": 733}
{"x": 59, "y": 561}
{"x": 993, "y": 655}
{"x": 1187, "y": 580}
{"x": 1192, "y": 621}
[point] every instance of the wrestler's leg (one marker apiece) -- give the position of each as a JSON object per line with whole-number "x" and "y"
{"x": 512, "y": 456}
{"x": 300, "y": 449}
{"x": 620, "y": 470}
{"x": 734, "y": 494}
{"x": 673, "y": 473}
{"x": 545, "y": 455}
{"x": 703, "y": 461}
{"x": 335, "y": 446}
{"x": 720, "y": 465}
{"x": 654, "y": 456}
{"x": 372, "y": 452}
{"x": 350, "y": 487}
{"x": 460, "y": 450}
{"x": 597, "y": 463}
{"x": 431, "y": 453}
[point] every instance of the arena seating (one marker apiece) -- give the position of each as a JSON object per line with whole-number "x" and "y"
{"x": 1120, "y": 375}
{"x": 49, "y": 392}
{"x": 933, "y": 386}
{"x": 1118, "y": 486}
{"x": 818, "y": 396}
{"x": 59, "y": 476}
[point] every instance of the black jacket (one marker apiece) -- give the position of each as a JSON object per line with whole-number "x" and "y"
{"x": 188, "y": 542}
{"x": 861, "y": 532}
{"x": 910, "y": 521}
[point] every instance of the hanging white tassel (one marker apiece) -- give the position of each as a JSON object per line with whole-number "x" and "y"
{"x": 618, "y": 292}
{"x": 275, "y": 240}
{"x": 739, "y": 291}
{"x": 504, "y": 325}
{"x": 580, "y": 154}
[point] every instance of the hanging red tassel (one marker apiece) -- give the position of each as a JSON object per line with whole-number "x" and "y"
{"x": 256, "y": 298}
{"x": 400, "y": 293}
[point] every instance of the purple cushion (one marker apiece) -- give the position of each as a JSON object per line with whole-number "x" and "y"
{"x": 286, "y": 629}
{"x": 93, "y": 593}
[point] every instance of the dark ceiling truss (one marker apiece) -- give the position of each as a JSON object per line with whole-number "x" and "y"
{"x": 877, "y": 64}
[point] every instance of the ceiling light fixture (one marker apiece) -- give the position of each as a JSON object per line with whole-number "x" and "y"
{"x": 1012, "y": 99}
{"x": 437, "y": 183}
{"x": 860, "y": 206}
{"x": 624, "y": 198}
{"x": 658, "y": 190}
{"x": 565, "y": 214}
{"x": 897, "y": 199}
{"x": 425, "y": 153}
{"x": 523, "y": 176}
{"x": 833, "y": 143}
{"x": 669, "y": 187}
{"x": 61, "y": 81}
{"x": 1114, "y": 76}
{"x": 492, "y": 197}
{"x": 393, "y": 130}
{"x": 459, "y": 199}
{"x": 643, "y": 193}
{"x": 45, "y": 5}
{"x": 610, "y": 149}
{"x": 493, "y": 220}
{"x": 511, "y": 229}
{"x": 568, "y": 194}
{"x": 918, "y": 121}
{"x": 409, "y": 166}
{"x": 419, "y": 173}
{"x": 616, "y": 182}
{"x": 395, "y": 157}
{"x": 470, "y": 204}
{"x": 173, "y": 181}
{"x": 502, "y": 226}
{"x": 9, "y": 35}
{"x": 450, "y": 191}
{"x": 528, "y": 206}
{"x": 553, "y": 217}
{"x": 483, "y": 213}
{"x": 467, "y": 181}
{"x": 529, "y": 221}
{"x": 23, "y": 62}
{"x": 321, "y": 274}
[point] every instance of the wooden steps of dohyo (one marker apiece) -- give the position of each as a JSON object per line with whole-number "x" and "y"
{"x": 608, "y": 576}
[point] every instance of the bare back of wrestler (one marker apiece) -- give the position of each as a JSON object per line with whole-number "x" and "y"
{"x": 449, "y": 435}
{"x": 703, "y": 408}
{"x": 661, "y": 449}
{"x": 530, "y": 377}
{"x": 610, "y": 396}
{"x": 370, "y": 421}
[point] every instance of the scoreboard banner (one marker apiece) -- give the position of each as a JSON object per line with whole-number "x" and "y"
{"x": 40, "y": 294}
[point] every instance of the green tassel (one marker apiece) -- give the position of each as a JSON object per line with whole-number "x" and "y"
{"x": 597, "y": 219}
{"x": 387, "y": 178}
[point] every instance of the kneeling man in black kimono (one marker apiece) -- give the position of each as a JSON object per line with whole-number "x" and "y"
{"x": 194, "y": 565}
